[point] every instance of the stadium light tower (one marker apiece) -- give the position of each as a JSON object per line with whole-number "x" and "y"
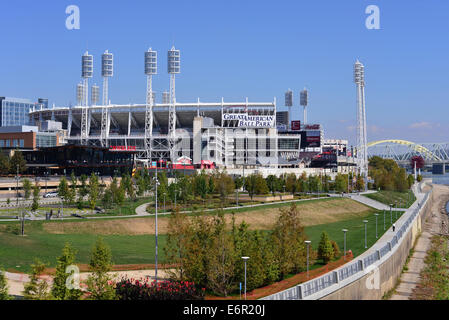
{"x": 87, "y": 66}
{"x": 304, "y": 102}
{"x": 362, "y": 152}
{"x": 95, "y": 95}
{"x": 174, "y": 68}
{"x": 80, "y": 94}
{"x": 289, "y": 104}
{"x": 150, "y": 70}
{"x": 107, "y": 71}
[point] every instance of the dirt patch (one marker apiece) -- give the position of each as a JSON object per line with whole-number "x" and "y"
{"x": 312, "y": 213}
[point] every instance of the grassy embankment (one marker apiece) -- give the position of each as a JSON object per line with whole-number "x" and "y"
{"x": 133, "y": 242}
{"x": 406, "y": 198}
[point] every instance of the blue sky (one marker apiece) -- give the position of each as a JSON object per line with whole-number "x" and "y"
{"x": 237, "y": 49}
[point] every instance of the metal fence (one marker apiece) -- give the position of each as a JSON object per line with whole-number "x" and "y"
{"x": 316, "y": 285}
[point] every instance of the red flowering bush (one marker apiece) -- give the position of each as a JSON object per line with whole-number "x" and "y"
{"x": 144, "y": 289}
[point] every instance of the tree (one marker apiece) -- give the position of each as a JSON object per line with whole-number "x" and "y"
{"x": 99, "y": 283}
{"x": 325, "y": 249}
{"x": 4, "y": 164}
{"x": 107, "y": 199}
{"x": 26, "y": 185}
{"x": 341, "y": 184}
{"x": 36, "y": 192}
{"x": 272, "y": 183}
{"x": 200, "y": 185}
{"x": 337, "y": 252}
{"x": 17, "y": 161}
{"x": 94, "y": 190}
{"x": 225, "y": 185}
{"x": 290, "y": 183}
{"x": 360, "y": 183}
{"x": 63, "y": 188}
{"x": 211, "y": 186}
{"x": 3, "y": 287}
{"x": 71, "y": 194}
{"x": 419, "y": 162}
{"x": 238, "y": 183}
{"x": 288, "y": 241}
{"x": 410, "y": 180}
{"x": 36, "y": 289}
{"x": 60, "y": 290}
{"x": 256, "y": 184}
{"x": 118, "y": 192}
{"x": 221, "y": 259}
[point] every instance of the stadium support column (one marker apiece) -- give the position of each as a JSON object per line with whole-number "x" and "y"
{"x": 104, "y": 126}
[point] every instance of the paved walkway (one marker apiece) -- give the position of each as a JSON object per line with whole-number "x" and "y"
{"x": 372, "y": 203}
{"x": 433, "y": 226}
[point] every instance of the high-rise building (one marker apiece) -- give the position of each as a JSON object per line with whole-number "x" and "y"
{"x": 15, "y": 112}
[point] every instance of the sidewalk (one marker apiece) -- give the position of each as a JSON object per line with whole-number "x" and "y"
{"x": 412, "y": 277}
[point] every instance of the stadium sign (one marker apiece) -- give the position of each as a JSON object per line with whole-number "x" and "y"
{"x": 247, "y": 121}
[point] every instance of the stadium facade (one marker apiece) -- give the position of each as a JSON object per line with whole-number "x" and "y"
{"x": 226, "y": 134}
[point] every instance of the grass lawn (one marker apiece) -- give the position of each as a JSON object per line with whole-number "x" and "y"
{"x": 18, "y": 252}
{"x": 406, "y": 198}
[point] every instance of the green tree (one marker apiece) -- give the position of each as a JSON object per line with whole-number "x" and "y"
{"x": 341, "y": 183}
{"x": 60, "y": 289}
{"x": 221, "y": 257}
{"x": 36, "y": 197}
{"x": 36, "y": 289}
{"x": 118, "y": 192}
{"x": 3, "y": 287}
{"x": 63, "y": 188}
{"x": 27, "y": 187}
{"x": 272, "y": 183}
{"x": 225, "y": 185}
{"x": 238, "y": 183}
{"x": 360, "y": 183}
{"x": 325, "y": 249}
{"x": 335, "y": 247}
{"x": 94, "y": 190}
{"x": 99, "y": 283}
{"x": 200, "y": 185}
{"x": 288, "y": 240}
{"x": 72, "y": 191}
{"x": 211, "y": 186}
{"x": 256, "y": 184}
{"x": 5, "y": 165}
{"x": 410, "y": 180}
{"x": 17, "y": 161}
{"x": 290, "y": 183}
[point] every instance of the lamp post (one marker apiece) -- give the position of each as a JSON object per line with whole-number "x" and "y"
{"x": 366, "y": 231}
{"x": 391, "y": 214}
{"x": 384, "y": 222}
{"x": 308, "y": 242}
{"x": 377, "y": 215}
{"x": 17, "y": 186}
{"x": 344, "y": 252}
{"x": 156, "y": 181}
{"x": 245, "y": 259}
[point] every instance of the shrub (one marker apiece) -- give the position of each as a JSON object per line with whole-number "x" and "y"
{"x": 337, "y": 252}
{"x": 325, "y": 250}
{"x": 163, "y": 290}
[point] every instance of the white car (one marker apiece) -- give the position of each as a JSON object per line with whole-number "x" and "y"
{"x": 51, "y": 195}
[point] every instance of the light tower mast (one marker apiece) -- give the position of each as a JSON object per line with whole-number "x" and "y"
{"x": 174, "y": 67}
{"x": 87, "y": 66}
{"x": 304, "y": 102}
{"x": 362, "y": 152}
{"x": 80, "y": 94}
{"x": 107, "y": 71}
{"x": 150, "y": 70}
{"x": 289, "y": 104}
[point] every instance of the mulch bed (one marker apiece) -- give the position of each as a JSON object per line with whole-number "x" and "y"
{"x": 290, "y": 282}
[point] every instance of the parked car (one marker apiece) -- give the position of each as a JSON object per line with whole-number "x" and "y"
{"x": 51, "y": 195}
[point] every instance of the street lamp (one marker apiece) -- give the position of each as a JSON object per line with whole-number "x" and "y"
{"x": 156, "y": 183}
{"x": 17, "y": 187}
{"x": 377, "y": 215}
{"x": 245, "y": 259}
{"x": 344, "y": 252}
{"x": 391, "y": 213}
{"x": 384, "y": 222}
{"x": 366, "y": 227}
{"x": 308, "y": 242}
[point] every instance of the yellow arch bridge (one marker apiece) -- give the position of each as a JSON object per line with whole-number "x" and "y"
{"x": 391, "y": 148}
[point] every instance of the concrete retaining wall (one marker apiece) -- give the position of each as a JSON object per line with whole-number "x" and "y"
{"x": 390, "y": 270}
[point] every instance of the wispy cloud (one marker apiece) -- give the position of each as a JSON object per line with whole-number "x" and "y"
{"x": 424, "y": 125}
